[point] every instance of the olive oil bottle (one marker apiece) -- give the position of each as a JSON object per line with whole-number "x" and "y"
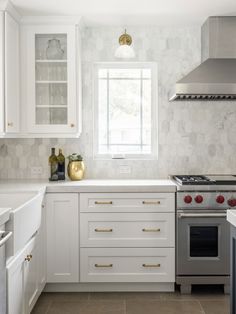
{"x": 61, "y": 165}
{"x": 53, "y": 164}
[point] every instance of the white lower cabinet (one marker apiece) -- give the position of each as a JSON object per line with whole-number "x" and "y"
{"x": 26, "y": 273}
{"x": 22, "y": 280}
{"x": 127, "y": 229}
{"x": 127, "y": 237}
{"x": 62, "y": 219}
{"x": 127, "y": 265}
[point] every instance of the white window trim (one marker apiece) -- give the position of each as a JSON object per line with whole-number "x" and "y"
{"x": 154, "y": 121}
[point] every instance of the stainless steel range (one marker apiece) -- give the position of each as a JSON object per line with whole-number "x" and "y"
{"x": 202, "y": 230}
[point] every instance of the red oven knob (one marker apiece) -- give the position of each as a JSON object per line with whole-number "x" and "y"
{"x": 220, "y": 199}
{"x": 232, "y": 202}
{"x": 188, "y": 199}
{"x": 198, "y": 199}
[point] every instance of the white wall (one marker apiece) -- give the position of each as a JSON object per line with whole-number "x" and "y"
{"x": 194, "y": 137}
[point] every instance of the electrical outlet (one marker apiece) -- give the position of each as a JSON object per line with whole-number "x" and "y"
{"x": 125, "y": 169}
{"x": 35, "y": 171}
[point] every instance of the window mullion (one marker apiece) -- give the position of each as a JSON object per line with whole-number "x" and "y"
{"x": 141, "y": 110}
{"x": 108, "y": 111}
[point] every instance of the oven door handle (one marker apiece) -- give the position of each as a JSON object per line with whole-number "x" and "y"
{"x": 4, "y": 236}
{"x": 202, "y": 215}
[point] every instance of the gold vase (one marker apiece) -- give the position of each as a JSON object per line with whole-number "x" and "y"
{"x": 75, "y": 170}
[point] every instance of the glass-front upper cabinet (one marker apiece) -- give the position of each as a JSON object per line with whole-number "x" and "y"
{"x": 51, "y": 79}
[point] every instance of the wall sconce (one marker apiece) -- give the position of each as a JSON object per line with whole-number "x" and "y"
{"x": 125, "y": 51}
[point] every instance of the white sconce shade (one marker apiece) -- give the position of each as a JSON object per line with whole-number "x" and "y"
{"x": 125, "y": 51}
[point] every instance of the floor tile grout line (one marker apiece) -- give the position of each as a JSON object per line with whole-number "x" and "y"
{"x": 49, "y": 306}
{"x": 202, "y": 309}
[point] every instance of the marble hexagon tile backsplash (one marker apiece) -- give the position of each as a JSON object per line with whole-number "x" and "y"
{"x": 193, "y": 137}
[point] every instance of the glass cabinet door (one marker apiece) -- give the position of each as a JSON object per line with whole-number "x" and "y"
{"x": 51, "y": 79}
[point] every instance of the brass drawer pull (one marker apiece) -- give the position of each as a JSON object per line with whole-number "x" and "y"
{"x": 10, "y": 124}
{"x": 151, "y": 202}
{"x": 103, "y": 203}
{"x": 151, "y": 230}
{"x": 151, "y": 265}
{"x": 103, "y": 230}
{"x": 103, "y": 265}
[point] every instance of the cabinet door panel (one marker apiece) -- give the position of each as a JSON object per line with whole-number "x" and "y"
{"x": 12, "y": 94}
{"x": 21, "y": 280}
{"x": 51, "y": 79}
{"x": 62, "y": 219}
{"x": 31, "y": 278}
{"x": 1, "y": 72}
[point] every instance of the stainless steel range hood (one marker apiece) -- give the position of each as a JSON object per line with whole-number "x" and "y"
{"x": 215, "y": 77}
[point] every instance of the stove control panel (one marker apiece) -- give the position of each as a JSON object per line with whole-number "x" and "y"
{"x": 206, "y": 200}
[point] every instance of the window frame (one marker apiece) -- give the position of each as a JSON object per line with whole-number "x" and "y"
{"x": 154, "y": 111}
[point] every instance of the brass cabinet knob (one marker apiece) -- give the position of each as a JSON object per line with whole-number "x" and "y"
{"x": 72, "y": 125}
{"x": 28, "y": 258}
{"x": 10, "y": 124}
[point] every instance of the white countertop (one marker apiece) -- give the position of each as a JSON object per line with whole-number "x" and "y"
{"x": 89, "y": 186}
{"x": 231, "y": 216}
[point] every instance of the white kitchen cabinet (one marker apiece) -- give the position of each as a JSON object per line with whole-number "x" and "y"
{"x": 50, "y": 67}
{"x": 127, "y": 237}
{"x": 127, "y": 265}
{"x": 31, "y": 278}
{"x": 22, "y": 281}
{"x": 62, "y": 219}
{"x": 41, "y": 242}
{"x": 127, "y": 202}
{"x": 9, "y": 74}
{"x": 127, "y": 230}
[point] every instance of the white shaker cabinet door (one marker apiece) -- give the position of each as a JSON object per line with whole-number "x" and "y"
{"x": 12, "y": 93}
{"x": 1, "y": 72}
{"x": 62, "y": 219}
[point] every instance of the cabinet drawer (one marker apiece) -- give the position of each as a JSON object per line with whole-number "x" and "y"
{"x": 127, "y": 265}
{"x": 127, "y": 229}
{"x": 127, "y": 202}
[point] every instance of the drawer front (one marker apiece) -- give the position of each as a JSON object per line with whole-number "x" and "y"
{"x": 127, "y": 202}
{"x": 127, "y": 229}
{"x": 127, "y": 265}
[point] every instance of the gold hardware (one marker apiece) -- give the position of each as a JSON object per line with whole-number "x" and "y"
{"x": 72, "y": 125}
{"x": 43, "y": 206}
{"x": 151, "y": 265}
{"x": 103, "y": 203}
{"x": 28, "y": 258}
{"x": 151, "y": 202}
{"x": 125, "y": 39}
{"x": 103, "y": 230}
{"x": 10, "y": 124}
{"x": 103, "y": 265}
{"x": 151, "y": 230}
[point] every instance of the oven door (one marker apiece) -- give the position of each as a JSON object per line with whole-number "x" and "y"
{"x": 202, "y": 243}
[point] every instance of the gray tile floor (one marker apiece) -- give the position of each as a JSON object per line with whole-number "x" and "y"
{"x": 201, "y": 301}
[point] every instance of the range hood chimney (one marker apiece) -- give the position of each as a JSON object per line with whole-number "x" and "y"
{"x": 215, "y": 77}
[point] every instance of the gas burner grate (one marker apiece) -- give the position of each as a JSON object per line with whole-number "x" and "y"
{"x": 193, "y": 180}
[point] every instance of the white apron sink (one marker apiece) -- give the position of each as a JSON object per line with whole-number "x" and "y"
{"x": 25, "y": 217}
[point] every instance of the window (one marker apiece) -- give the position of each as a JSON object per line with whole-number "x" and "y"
{"x": 125, "y": 110}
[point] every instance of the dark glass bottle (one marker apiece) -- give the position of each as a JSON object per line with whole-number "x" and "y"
{"x": 53, "y": 163}
{"x": 61, "y": 165}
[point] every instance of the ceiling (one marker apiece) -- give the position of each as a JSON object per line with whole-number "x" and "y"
{"x": 131, "y": 12}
